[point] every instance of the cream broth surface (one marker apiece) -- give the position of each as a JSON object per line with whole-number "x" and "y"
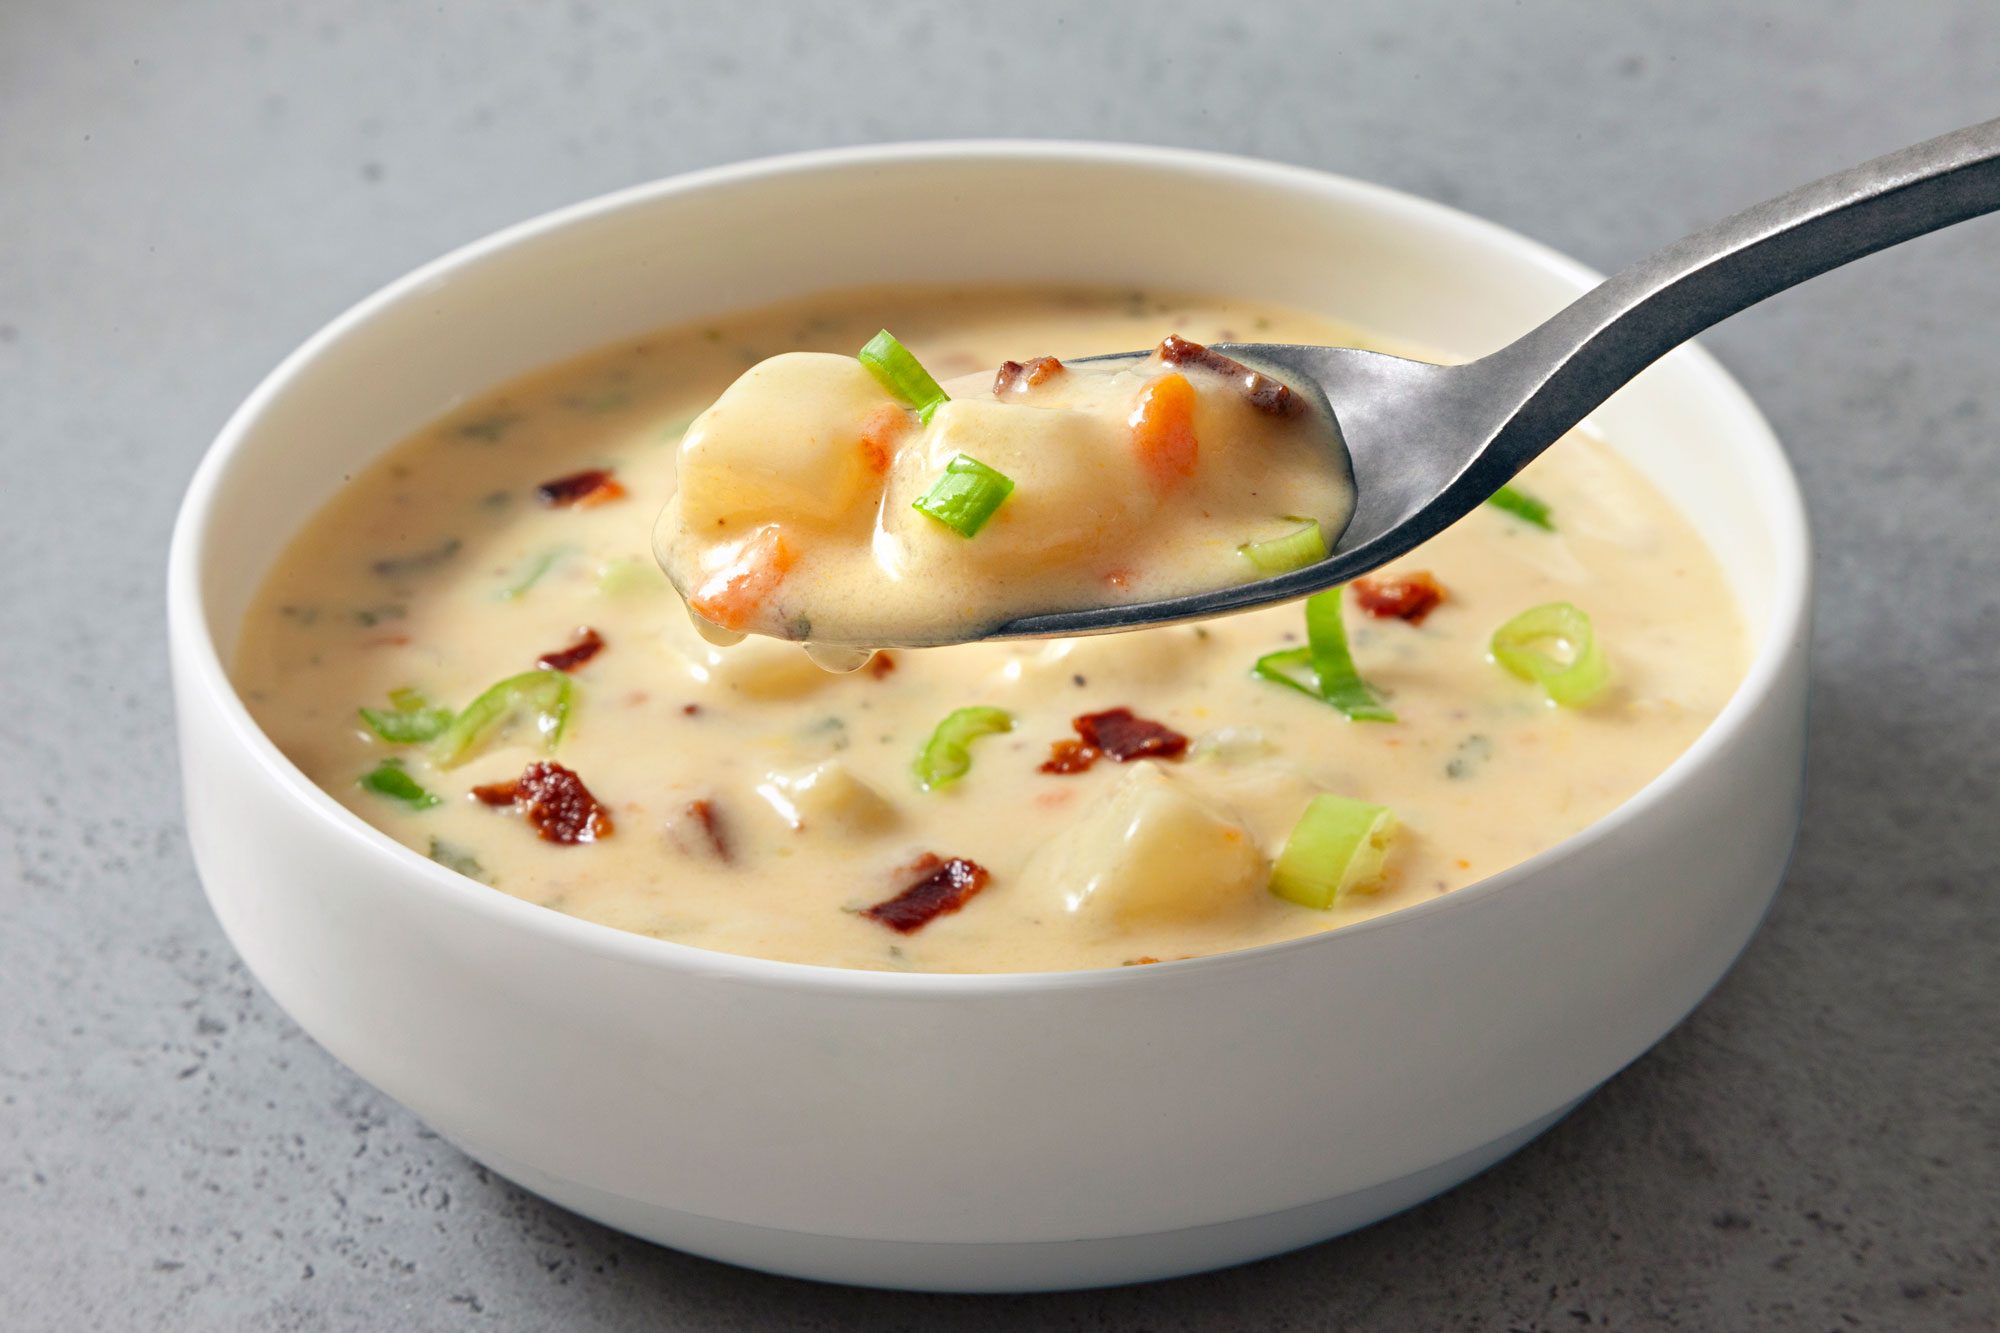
{"x": 759, "y": 805}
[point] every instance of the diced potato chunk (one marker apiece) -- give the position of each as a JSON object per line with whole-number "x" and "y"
{"x": 757, "y": 668}
{"x": 783, "y": 441}
{"x": 1153, "y": 851}
{"x": 1074, "y": 474}
{"x": 827, "y": 797}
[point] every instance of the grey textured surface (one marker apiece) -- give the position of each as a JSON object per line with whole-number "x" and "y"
{"x": 186, "y": 190}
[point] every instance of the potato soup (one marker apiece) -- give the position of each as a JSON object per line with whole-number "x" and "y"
{"x": 472, "y": 648}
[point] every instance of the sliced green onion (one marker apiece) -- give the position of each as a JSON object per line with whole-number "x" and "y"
{"x": 409, "y": 719}
{"x": 1522, "y": 506}
{"x": 947, "y": 756}
{"x": 543, "y": 696}
{"x": 1340, "y": 684}
{"x": 1295, "y": 550}
{"x": 1324, "y": 668}
{"x": 1289, "y": 666}
{"x": 1337, "y": 848}
{"x": 629, "y": 574}
{"x": 531, "y": 572}
{"x": 902, "y": 375}
{"x": 388, "y": 779}
{"x": 1573, "y": 678}
{"x": 966, "y": 495}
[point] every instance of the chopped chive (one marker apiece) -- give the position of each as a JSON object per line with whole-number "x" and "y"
{"x": 388, "y": 779}
{"x": 902, "y": 374}
{"x": 1295, "y": 550}
{"x": 1522, "y": 647}
{"x": 1522, "y": 506}
{"x": 1337, "y": 848}
{"x": 947, "y": 756}
{"x": 409, "y": 719}
{"x": 966, "y": 495}
{"x": 543, "y": 696}
{"x": 531, "y": 573}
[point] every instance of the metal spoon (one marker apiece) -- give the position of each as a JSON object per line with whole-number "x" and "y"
{"x": 1428, "y": 443}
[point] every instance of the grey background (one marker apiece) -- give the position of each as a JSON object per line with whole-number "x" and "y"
{"x": 188, "y": 189}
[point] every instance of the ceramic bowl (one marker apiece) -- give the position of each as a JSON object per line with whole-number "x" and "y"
{"x": 1002, "y": 1132}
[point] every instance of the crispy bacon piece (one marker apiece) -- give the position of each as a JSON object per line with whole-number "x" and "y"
{"x": 589, "y": 643}
{"x": 1269, "y": 396}
{"x": 593, "y": 486}
{"x": 881, "y": 664}
{"x": 704, "y": 815}
{"x": 1125, "y": 736}
{"x": 1016, "y": 376}
{"x": 554, "y": 800}
{"x": 1070, "y": 755}
{"x": 936, "y": 886}
{"x": 1410, "y": 596}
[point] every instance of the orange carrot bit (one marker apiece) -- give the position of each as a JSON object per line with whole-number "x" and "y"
{"x": 1163, "y": 430}
{"x": 880, "y": 430}
{"x": 730, "y": 596}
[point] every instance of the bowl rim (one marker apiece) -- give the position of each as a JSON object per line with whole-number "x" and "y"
{"x": 198, "y": 664}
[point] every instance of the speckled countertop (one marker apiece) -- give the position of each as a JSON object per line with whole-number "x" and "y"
{"x": 187, "y": 190}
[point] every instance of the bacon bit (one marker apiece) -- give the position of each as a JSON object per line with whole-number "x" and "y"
{"x": 554, "y": 800}
{"x": 1269, "y": 396}
{"x": 1410, "y": 596}
{"x": 690, "y": 710}
{"x": 1070, "y": 755}
{"x": 1018, "y": 377}
{"x": 589, "y": 643}
{"x": 732, "y": 594}
{"x": 703, "y": 813}
{"x": 937, "y": 886}
{"x": 881, "y": 664}
{"x": 590, "y": 487}
{"x": 1163, "y": 430}
{"x": 1125, "y": 736}
{"x": 880, "y": 430}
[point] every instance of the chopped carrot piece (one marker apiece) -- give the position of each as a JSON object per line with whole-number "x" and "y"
{"x": 1163, "y": 430}
{"x": 730, "y": 596}
{"x": 880, "y": 430}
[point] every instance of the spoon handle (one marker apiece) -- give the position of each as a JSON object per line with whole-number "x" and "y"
{"x": 1548, "y": 380}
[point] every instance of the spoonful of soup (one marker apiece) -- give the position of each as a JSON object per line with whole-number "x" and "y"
{"x": 855, "y": 502}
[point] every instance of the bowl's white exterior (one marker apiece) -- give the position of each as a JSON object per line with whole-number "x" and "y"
{"x": 983, "y": 1132}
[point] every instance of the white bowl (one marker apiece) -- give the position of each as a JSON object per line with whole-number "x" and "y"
{"x": 979, "y": 1132}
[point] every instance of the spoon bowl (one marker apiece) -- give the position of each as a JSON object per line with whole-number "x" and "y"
{"x": 1427, "y": 443}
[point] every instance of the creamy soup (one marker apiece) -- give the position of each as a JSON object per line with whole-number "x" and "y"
{"x": 472, "y": 648}
{"x": 856, "y": 501}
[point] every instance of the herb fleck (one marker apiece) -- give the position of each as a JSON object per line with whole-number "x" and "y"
{"x": 417, "y": 562}
{"x": 453, "y": 857}
{"x": 1472, "y": 752}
